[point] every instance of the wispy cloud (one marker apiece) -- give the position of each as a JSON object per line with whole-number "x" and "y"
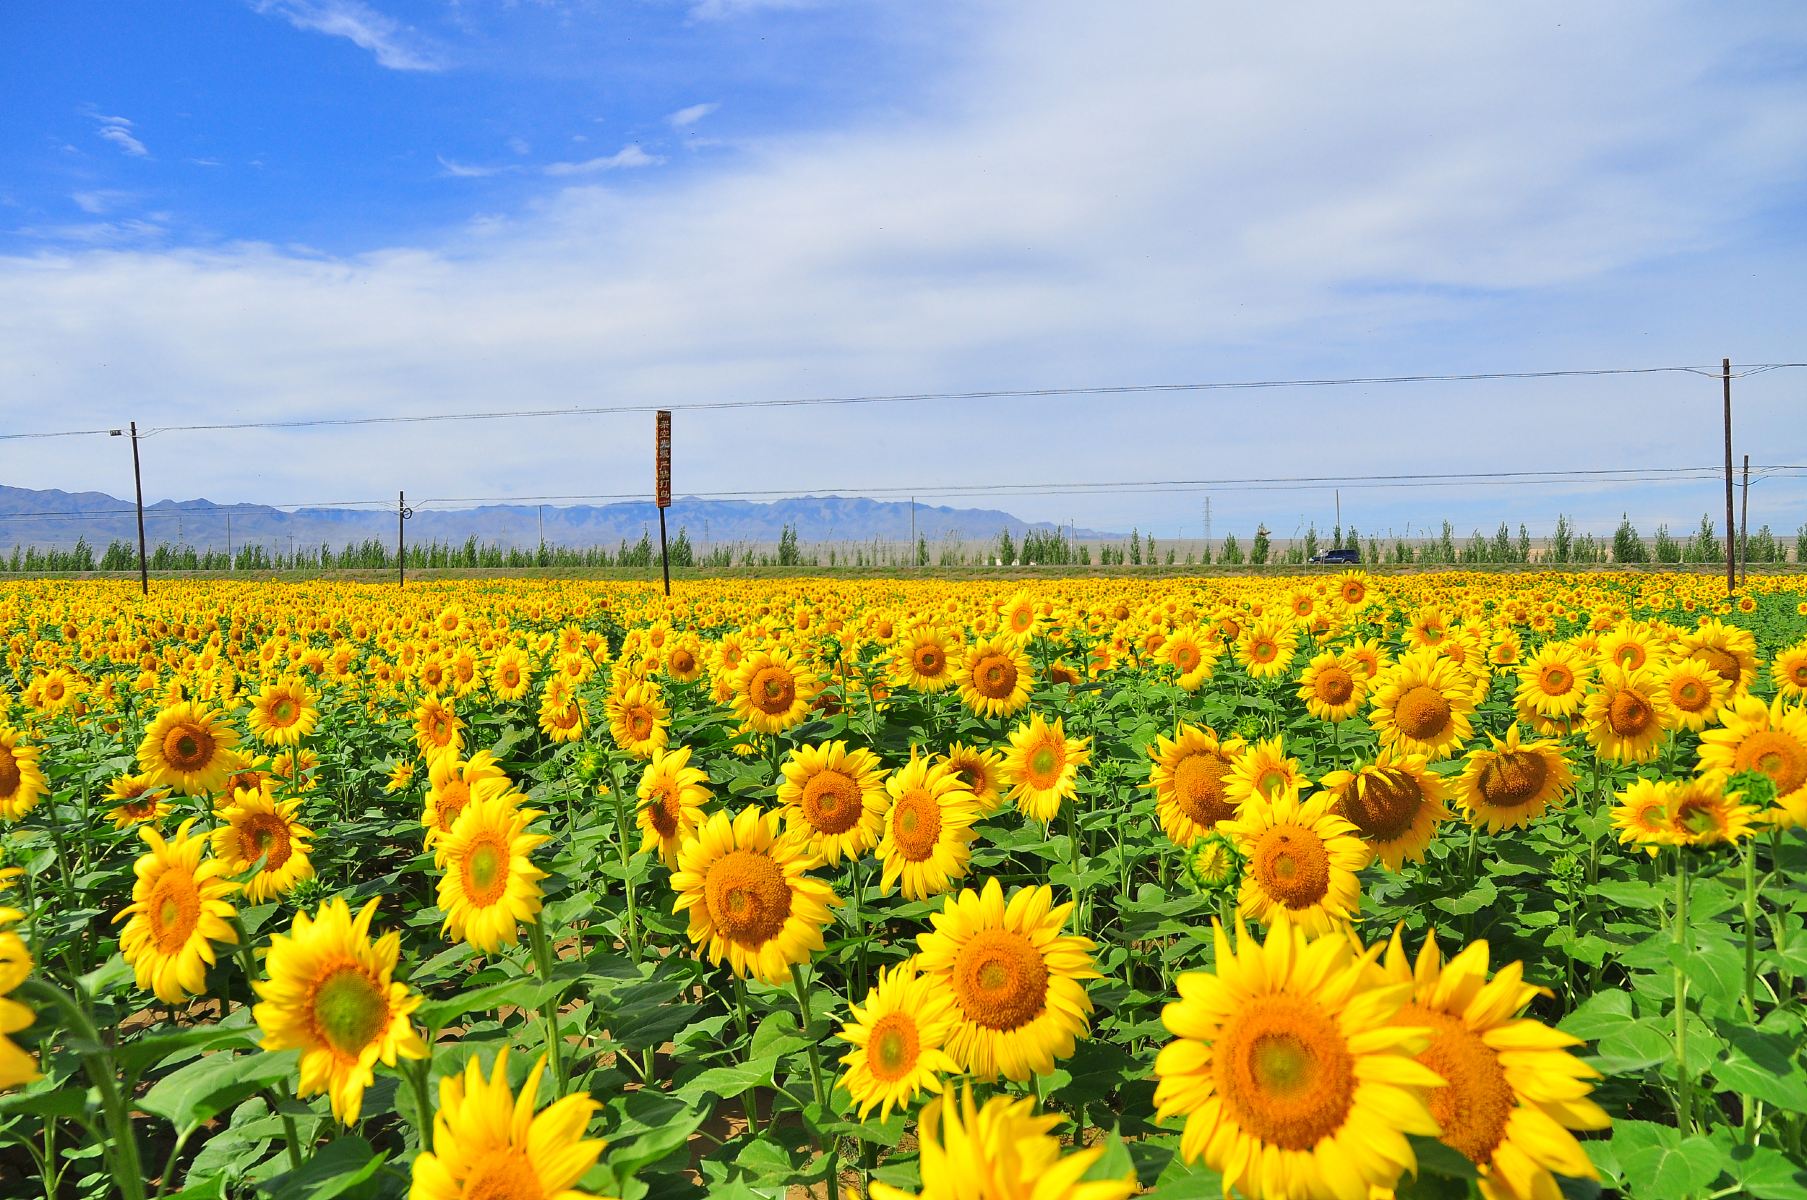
{"x": 118, "y": 130}
{"x": 391, "y": 43}
{"x": 458, "y": 170}
{"x": 101, "y": 200}
{"x": 686, "y": 117}
{"x": 623, "y": 159}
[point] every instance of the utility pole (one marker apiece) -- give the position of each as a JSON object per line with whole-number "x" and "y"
{"x": 1744, "y": 527}
{"x": 542, "y": 519}
{"x": 229, "y": 540}
{"x": 144, "y": 574}
{"x": 1339, "y": 511}
{"x": 402, "y": 513}
{"x": 912, "y": 531}
{"x": 1731, "y": 578}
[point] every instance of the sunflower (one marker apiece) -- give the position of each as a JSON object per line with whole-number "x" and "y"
{"x": 637, "y": 718}
{"x": 1266, "y": 648}
{"x": 672, "y": 794}
{"x": 488, "y": 1143}
{"x": 1190, "y": 775}
{"x": 927, "y": 827}
{"x": 772, "y": 691}
{"x": 748, "y": 896}
{"x": 1642, "y": 815}
{"x": 922, "y": 658}
{"x": 1631, "y": 644}
{"x": 1510, "y": 784}
{"x": 1292, "y": 1080}
{"x": 188, "y": 747}
{"x": 1193, "y": 659}
{"x": 1352, "y": 588}
{"x": 1694, "y": 690}
{"x": 1789, "y": 672}
{"x": 452, "y": 783}
{"x": 1727, "y": 649}
{"x": 437, "y": 729}
{"x": 1333, "y": 687}
{"x": 994, "y": 676}
{"x": 1626, "y": 715}
{"x": 563, "y": 716}
{"x": 1553, "y": 681}
{"x": 1770, "y": 738}
{"x": 17, "y": 1067}
{"x": 833, "y": 798}
{"x": 1262, "y": 771}
{"x": 1018, "y": 618}
{"x": 1422, "y": 705}
{"x": 258, "y": 826}
{"x": 1700, "y": 812}
{"x": 982, "y": 770}
{"x": 1395, "y": 804}
{"x": 1041, "y": 768}
{"x": 283, "y": 713}
{"x": 331, "y": 994}
{"x": 136, "y": 801}
{"x": 1002, "y": 1151}
{"x": 179, "y": 909}
{"x": 897, "y": 1041}
{"x": 1509, "y": 1089}
{"x": 510, "y": 675}
{"x": 1300, "y": 862}
{"x": 684, "y": 659}
{"x": 1015, "y": 976}
{"x": 490, "y": 886}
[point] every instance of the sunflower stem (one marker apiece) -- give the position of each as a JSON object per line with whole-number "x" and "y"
{"x": 627, "y": 879}
{"x": 417, "y": 1070}
{"x": 1684, "y": 1083}
{"x": 542, "y": 955}
{"x": 831, "y": 1145}
{"x": 746, "y": 1032}
{"x": 122, "y": 1147}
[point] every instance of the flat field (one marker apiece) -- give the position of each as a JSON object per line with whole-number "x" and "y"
{"x": 1297, "y": 886}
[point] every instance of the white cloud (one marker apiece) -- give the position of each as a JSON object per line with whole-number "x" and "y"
{"x": 686, "y": 117}
{"x": 118, "y": 130}
{"x": 99, "y": 201}
{"x": 625, "y": 158}
{"x": 520, "y": 145}
{"x": 392, "y": 44}
{"x": 1074, "y": 199}
{"x": 458, "y": 170}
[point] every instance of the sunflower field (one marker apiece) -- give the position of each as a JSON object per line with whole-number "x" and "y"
{"x": 1291, "y": 887}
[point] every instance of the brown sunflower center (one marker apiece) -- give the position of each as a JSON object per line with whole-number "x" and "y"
{"x": 1556, "y": 680}
{"x": 1722, "y": 661}
{"x": 284, "y": 712}
{"x": 1186, "y": 657}
{"x": 264, "y": 834}
{"x": 1335, "y": 685}
{"x": 1422, "y": 713}
{"x": 639, "y": 724}
{"x": 916, "y": 825}
{"x": 1000, "y": 979}
{"x": 174, "y": 910}
{"x": 1689, "y": 695}
{"x": 1285, "y": 1071}
{"x": 1263, "y": 651}
{"x": 831, "y": 802}
{"x": 188, "y": 747}
{"x": 1291, "y": 865}
{"x": 1199, "y": 789}
{"x": 1043, "y": 764}
{"x": 485, "y": 869}
{"x": 1629, "y": 714}
{"x": 1630, "y": 656}
{"x": 1384, "y": 806}
{"x": 1776, "y": 754}
{"x": 683, "y": 662}
{"x": 748, "y": 898}
{"x": 772, "y": 690}
{"x": 10, "y": 774}
{"x": 893, "y": 1047}
{"x": 928, "y": 660}
{"x": 505, "y": 1173}
{"x": 1513, "y": 778}
{"x": 1474, "y": 1105}
{"x": 994, "y": 677}
{"x": 349, "y": 1010}
{"x": 511, "y": 676}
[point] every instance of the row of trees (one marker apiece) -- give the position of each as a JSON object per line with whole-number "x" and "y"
{"x": 1037, "y": 547}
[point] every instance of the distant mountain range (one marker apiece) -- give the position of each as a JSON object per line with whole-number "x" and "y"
{"x": 57, "y": 519}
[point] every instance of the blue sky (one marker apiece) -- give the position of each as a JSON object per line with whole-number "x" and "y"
{"x": 255, "y": 209}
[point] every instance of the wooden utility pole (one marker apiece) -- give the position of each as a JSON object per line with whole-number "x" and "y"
{"x": 144, "y": 573}
{"x": 1744, "y": 527}
{"x": 662, "y": 485}
{"x": 229, "y": 567}
{"x": 1731, "y": 572}
{"x": 402, "y": 513}
{"x": 913, "y": 561}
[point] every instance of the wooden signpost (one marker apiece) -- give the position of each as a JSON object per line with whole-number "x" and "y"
{"x": 662, "y": 486}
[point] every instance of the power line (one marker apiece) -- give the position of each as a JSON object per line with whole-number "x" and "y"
{"x": 922, "y": 397}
